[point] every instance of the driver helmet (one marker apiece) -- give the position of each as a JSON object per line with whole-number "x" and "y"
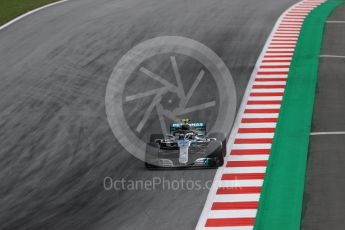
{"x": 186, "y": 127}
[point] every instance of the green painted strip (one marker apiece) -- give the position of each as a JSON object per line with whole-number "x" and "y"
{"x": 281, "y": 198}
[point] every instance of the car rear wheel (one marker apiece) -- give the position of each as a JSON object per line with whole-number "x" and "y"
{"x": 154, "y": 137}
{"x": 152, "y": 150}
{"x": 220, "y": 137}
{"x": 214, "y": 150}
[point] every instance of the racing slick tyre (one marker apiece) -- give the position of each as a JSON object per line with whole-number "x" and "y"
{"x": 220, "y": 137}
{"x": 214, "y": 150}
{"x": 154, "y": 137}
{"x": 151, "y": 156}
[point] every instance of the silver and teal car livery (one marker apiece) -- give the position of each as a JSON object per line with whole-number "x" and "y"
{"x": 186, "y": 146}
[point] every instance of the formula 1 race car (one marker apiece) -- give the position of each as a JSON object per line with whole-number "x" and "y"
{"x": 187, "y": 145}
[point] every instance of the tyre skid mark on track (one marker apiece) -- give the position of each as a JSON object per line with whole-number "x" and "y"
{"x": 235, "y": 207}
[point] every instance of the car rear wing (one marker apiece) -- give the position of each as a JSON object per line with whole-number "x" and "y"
{"x": 200, "y": 126}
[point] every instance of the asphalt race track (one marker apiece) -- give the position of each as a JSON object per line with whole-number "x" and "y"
{"x": 57, "y": 146}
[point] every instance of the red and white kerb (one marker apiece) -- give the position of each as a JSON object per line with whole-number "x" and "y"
{"x": 234, "y": 197}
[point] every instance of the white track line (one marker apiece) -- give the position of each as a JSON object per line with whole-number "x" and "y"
{"x": 29, "y": 13}
{"x": 336, "y": 22}
{"x": 263, "y": 106}
{"x": 258, "y": 125}
{"x": 254, "y": 157}
{"x": 232, "y": 228}
{"x": 327, "y": 133}
{"x": 240, "y": 183}
{"x": 233, "y": 213}
{"x": 331, "y": 56}
{"x": 243, "y": 170}
{"x": 270, "y": 98}
{"x": 251, "y": 146}
{"x": 237, "y": 197}
{"x": 255, "y": 135}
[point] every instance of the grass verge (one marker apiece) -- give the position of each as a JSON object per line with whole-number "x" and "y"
{"x": 10, "y": 9}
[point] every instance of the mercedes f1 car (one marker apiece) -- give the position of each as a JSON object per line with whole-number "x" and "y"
{"x": 186, "y": 146}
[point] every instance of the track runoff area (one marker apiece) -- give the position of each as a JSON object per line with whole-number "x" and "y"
{"x": 323, "y": 203}
{"x": 233, "y": 200}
